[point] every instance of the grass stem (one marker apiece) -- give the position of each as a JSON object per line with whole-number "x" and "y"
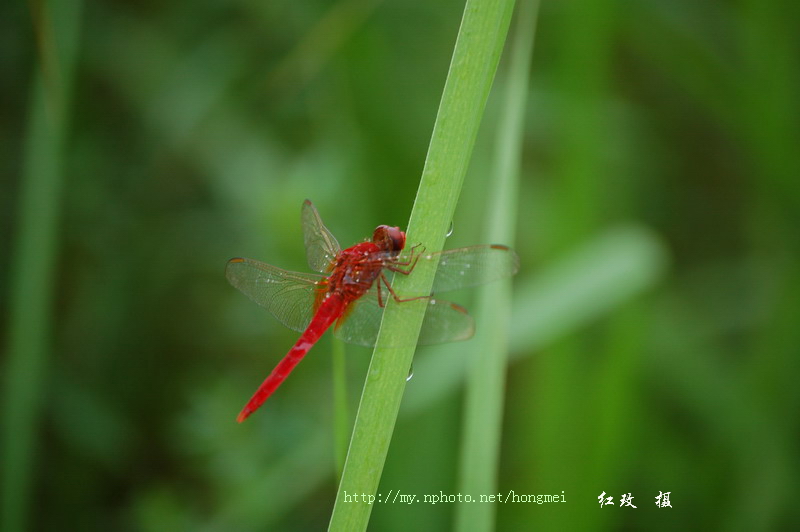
{"x": 478, "y": 47}
{"x": 485, "y": 391}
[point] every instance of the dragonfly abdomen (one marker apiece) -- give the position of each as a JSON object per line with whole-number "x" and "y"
{"x": 329, "y": 310}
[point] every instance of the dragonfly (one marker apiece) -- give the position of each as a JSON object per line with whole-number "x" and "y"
{"x": 352, "y": 287}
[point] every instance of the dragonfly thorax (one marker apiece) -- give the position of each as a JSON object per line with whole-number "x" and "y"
{"x": 355, "y": 270}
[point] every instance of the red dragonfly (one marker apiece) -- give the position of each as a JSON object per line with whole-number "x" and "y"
{"x": 353, "y": 290}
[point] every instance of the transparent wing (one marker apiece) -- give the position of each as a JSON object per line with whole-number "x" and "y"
{"x": 444, "y": 321}
{"x": 289, "y": 296}
{"x": 471, "y": 266}
{"x": 321, "y": 245}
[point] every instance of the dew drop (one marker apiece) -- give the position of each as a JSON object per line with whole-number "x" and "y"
{"x": 410, "y": 373}
{"x": 449, "y": 229}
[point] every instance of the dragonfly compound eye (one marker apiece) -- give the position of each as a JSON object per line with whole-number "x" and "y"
{"x": 390, "y": 238}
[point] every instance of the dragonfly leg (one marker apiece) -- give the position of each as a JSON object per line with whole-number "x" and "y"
{"x": 411, "y": 263}
{"x": 380, "y": 298}
{"x": 394, "y": 295}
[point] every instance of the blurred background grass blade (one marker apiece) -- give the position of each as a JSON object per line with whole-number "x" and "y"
{"x": 341, "y": 416}
{"x": 477, "y": 51}
{"x": 485, "y": 388}
{"x": 35, "y": 255}
{"x": 558, "y": 383}
{"x": 594, "y": 278}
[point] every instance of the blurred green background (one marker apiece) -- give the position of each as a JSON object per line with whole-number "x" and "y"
{"x": 655, "y": 338}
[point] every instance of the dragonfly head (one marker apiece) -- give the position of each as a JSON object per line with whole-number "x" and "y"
{"x": 389, "y": 238}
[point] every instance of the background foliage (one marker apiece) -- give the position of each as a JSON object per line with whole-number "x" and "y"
{"x": 654, "y": 339}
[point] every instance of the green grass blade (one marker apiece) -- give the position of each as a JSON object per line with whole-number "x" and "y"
{"x": 34, "y": 256}
{"x": 486, "y": 381}
{"x": 477, "y": 51}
